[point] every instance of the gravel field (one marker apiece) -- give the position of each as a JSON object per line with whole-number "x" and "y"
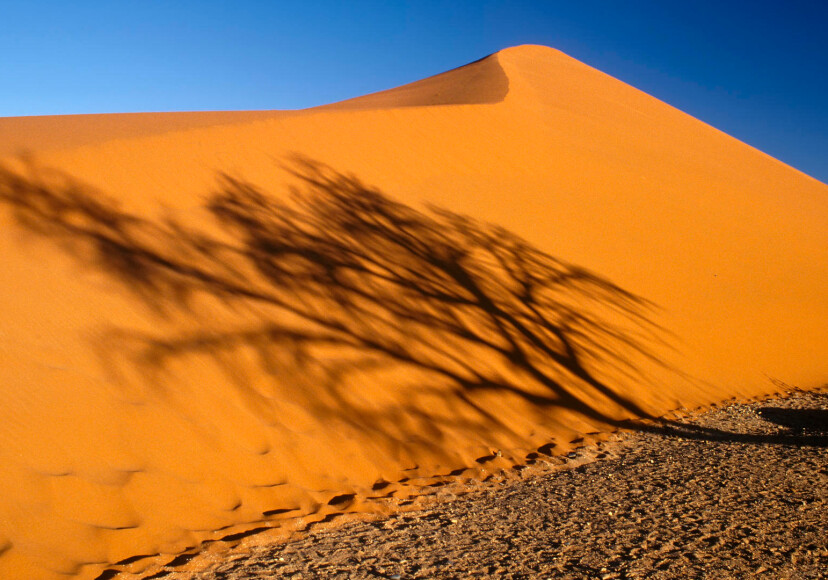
{"x": 738, "y": 492}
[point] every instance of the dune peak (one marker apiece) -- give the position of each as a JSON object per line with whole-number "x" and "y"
{"x": 529, "y": 49}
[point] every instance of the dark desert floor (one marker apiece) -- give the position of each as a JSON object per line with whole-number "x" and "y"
{"x": 738, "y": 492}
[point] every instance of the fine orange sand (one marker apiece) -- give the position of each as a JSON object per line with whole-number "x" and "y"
{"x": 182, "y": 358}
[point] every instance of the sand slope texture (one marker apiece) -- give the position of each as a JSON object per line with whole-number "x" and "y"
{"x": 215, "y": 322}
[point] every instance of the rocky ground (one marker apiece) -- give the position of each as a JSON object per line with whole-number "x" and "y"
{"x": 738, "y": 492}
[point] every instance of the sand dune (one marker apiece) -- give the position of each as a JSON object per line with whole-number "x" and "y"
{"x": 225, "y": 321}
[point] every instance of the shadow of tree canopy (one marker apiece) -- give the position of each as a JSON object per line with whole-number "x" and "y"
{"x": 797, "y": 420}
{"x": 342, "y": 279}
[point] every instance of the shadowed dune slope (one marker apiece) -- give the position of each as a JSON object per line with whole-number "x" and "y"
{"x": 479, "y": 82}
{"x": 220, "y": 322}
{"x": 20, "y": 135}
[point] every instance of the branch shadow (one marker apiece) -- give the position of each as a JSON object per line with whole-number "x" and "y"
{"x": 795, "y": 427}
{"x": 340, "y": 282}
{"x": 797, "y": 420}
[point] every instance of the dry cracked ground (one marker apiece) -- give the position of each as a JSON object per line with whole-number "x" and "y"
{"x": 738, "y": 492}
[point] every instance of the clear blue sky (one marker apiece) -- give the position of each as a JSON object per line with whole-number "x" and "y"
{"x": 755, "y": 69}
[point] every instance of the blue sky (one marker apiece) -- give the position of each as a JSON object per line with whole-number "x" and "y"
{"x": 757, "y": 70}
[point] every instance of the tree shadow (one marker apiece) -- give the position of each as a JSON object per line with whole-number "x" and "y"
{"x": 797, "y": 420}
{"x": 796, "y": 427}
{"x": 341, "y": 282}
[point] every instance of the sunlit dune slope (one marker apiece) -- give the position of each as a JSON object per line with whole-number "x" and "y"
{"x": 226, "y": 323}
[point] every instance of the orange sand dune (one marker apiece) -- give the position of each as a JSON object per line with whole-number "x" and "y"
{"x": 505, "y": 257}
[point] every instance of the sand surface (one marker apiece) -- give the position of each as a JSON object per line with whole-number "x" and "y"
{"x": 219, "y": 321}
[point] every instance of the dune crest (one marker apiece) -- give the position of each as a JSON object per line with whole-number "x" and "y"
{"x": 205, "y": 334}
